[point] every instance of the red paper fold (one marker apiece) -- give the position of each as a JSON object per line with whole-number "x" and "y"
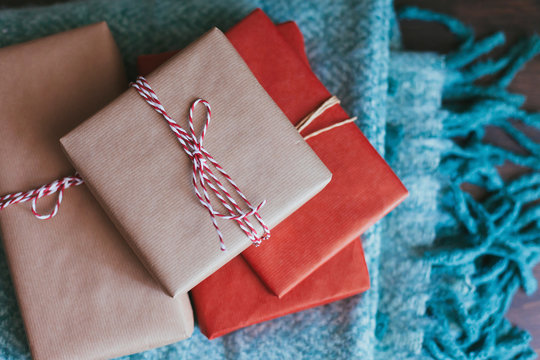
{"x": 234, "y": 297}
{"x": 363, "y": 187}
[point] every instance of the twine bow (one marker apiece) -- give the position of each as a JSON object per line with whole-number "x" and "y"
{"x": 309, "y": 118}
{"x": 202, "y": 176}
{"x": 48, "y": 189}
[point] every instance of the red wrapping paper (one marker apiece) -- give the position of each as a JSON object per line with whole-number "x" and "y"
{"x": 234, "y": 297}
{"x": 363, "y": 187}
{"x": 220, "y": 310}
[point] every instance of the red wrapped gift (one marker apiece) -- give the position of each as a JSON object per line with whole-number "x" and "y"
{"x": 234, "y": 297}
{"x": 363, "y": 187}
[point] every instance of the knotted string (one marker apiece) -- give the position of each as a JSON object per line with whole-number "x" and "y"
{"x": 48, "y": 189}
{"x": 308, "y": 119}
{"x": 202, "y": 174}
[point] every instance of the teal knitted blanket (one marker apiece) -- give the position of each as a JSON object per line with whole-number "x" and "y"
{"x": 443, "y": 266}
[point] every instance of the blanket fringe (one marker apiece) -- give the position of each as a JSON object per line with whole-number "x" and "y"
{"x": 486, "y": 248}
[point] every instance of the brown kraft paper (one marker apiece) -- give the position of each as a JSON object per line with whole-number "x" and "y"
{"x": 139, "y": 172}
{"x": 82, "y": 292}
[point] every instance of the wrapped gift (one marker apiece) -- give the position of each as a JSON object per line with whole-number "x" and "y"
{"x": 218, "y": 307}
{"x": 133, "y": 153}
{"x": 363, "y": 187}
{"x": 234, "y": 297}
{"x": 81, "y": 291}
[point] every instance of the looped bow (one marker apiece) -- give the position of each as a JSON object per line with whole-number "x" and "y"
{"x": 203, "y": 177}
{"x": 46, "y": 190}
{"x": 201, "y": 173}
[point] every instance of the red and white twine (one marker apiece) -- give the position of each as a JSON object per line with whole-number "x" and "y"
{"x": 203, "y": 177}
{"x": 33, "y": 195}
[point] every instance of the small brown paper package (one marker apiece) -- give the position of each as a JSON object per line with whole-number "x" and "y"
{"x": 82, "y": 292}
{"x": 135, "y": 166}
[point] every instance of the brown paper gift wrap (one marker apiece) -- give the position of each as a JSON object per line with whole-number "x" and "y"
{"x": 135, "y": 166}
{"x": 81, "y": 291}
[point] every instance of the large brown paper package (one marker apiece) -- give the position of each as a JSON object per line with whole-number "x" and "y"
{"x": 139, "y": 172}
{"x": 82, "y": 292}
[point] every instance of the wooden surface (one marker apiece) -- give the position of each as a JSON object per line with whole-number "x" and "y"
{"x": 517, "y": 18}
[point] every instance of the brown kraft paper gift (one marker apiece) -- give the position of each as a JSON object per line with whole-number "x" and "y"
{"x": 139, "y": 172}
{"x": 82, "y": 292}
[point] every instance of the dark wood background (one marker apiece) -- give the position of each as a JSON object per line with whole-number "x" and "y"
{"x": 517, "y": 18}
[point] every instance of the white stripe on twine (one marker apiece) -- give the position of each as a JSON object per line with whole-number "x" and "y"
{"x": 48, "y": 189}
{"x": 202, "y": 175}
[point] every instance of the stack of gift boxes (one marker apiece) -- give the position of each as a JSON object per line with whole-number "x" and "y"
{"x": 149, "y": 216}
